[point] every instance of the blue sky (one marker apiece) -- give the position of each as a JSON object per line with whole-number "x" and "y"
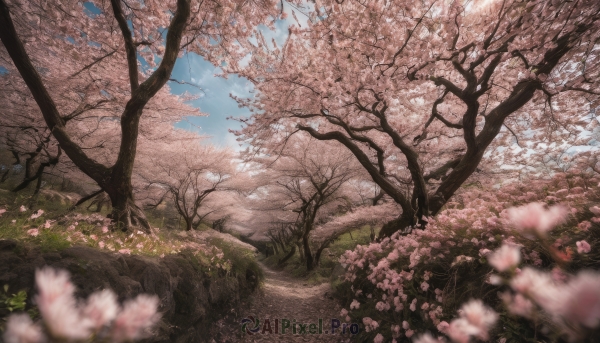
{"x": 214, "y": 96}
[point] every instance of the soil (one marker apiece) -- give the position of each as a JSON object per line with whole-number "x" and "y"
{"x": 284, "y": 297}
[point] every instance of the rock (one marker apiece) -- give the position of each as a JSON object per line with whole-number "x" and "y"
{"x": 7, "y": 244}
{"x": 190, "y": 300}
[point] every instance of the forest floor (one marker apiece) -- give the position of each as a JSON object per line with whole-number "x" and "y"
{"x": 285, "y": 297}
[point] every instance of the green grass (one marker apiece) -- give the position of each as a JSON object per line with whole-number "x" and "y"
{"x": 52, "y": 241}
{"x": 241, "y": 259}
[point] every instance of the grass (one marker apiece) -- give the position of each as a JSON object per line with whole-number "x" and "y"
{"x": 241, "y": 259}
{"x": 91, "y": 229}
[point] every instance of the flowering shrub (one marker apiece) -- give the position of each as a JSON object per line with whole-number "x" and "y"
{"x": 416, "y": 283}
{"x": 98, "y": 319}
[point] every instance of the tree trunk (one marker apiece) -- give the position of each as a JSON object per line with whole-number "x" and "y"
{"x": 125, "y": 213}
{"x": 400, "y": 224}
{"x": 318, "y": 254}
{"x": 300, "y": 252}
{"x": 288, "y": 256}
{"x": 189, "y": 225}
{"x": 307, "y": 253}
{"x": 5, "y": 175}
{"x": 40, "y": 180}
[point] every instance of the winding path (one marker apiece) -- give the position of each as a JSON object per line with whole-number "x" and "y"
{"x": 286, "y": 297}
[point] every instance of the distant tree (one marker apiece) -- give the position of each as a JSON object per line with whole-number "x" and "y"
{"x": 190, "y": 174}
{"x": 308, "y": 179}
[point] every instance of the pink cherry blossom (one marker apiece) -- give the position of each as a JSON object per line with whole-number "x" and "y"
{"x": 443, "y": 326}
{"x": 584, "y": 225}
{"x": 428, "y": 338}
{"x": 413, "y": 305}
{"x": 475, "y": 320}
{"x": 535, "y": 217}
{"x": 20, "y": 329}
{"x": 135, "y": 319}
{"x": 583, "y": 247}
{"x": 101, "y": 308}
{"x": 518, "y": 305}
{"x": 36, "y": 214}
{"x": 58, "y": 306}
{"x": 581, "y": 300}
{"x": 505, "y": 258}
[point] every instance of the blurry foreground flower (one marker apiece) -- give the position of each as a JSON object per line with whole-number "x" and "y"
{"x": 136, "y": 318}
{"x": 20, "y": 329}
{"x": 101, "y": 308}
{"x": 475, "y": 320}
{"x": 64, "y": 319}
{"x": 579, "y": 302}
{"x": 536, "y": 218}
{"x": 58, "y": 305}
{"x": 505, "y": 258}
{"x": 428, "y": 338}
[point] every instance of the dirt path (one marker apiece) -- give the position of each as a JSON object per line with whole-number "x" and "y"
{"x": 286, "y": 297}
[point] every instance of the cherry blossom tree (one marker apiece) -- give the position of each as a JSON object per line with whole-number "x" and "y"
{"x": 192, "y": 175}
{"x": 308, "y": 179}
{"x": 422, "y": 93}
{"x": 25, "y": 134}
{"x": 115, "y": 36}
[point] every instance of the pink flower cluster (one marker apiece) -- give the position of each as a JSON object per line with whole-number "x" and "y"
{"x": 65, "y": 319}
{"x": 480, "y": 227}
